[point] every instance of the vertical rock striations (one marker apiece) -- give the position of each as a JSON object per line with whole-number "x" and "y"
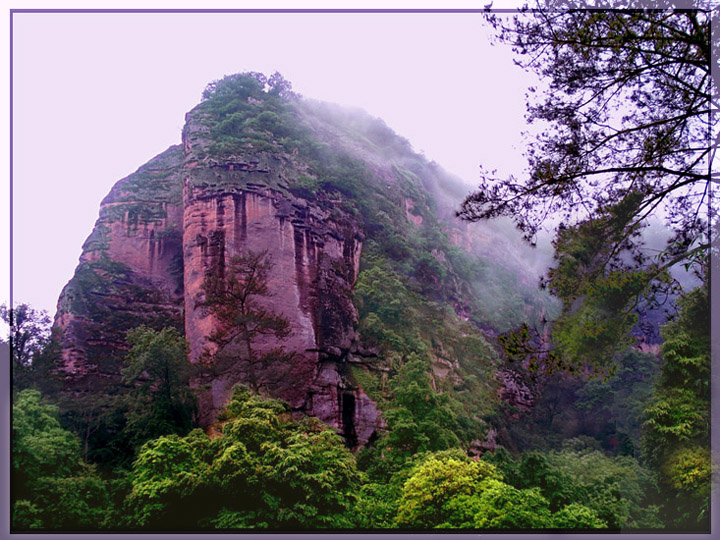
{"x": 313, "y": 186}
{"x": 163, "y": 228}
{"x": 130, "y": 273}
{"x": 230, "y": 209}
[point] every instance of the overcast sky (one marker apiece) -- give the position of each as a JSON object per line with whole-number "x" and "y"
{"x": 98, "y": 95}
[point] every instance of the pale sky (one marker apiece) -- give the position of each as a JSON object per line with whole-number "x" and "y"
{"x": 98, "y": 95}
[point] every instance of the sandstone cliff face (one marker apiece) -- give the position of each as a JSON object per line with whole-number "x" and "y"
{"x": 230, "y": 209}
{"x": 130, "y": 273}
{"x": 317, "y": 188}
{"x": 163, "y": 228}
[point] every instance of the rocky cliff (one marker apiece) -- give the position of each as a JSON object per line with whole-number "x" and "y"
{"x": 130, "y": 272}
{"x": 321, "y": 190}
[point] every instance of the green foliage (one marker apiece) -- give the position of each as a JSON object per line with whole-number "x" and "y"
{"x": 305, "y": 186}
{"x": 617, "y": 489}
{"x": 387, "y": 309}
{"x": 312, "y": 479}
{"x": 423, "y": 411}
{"x": 576, "y": 516}
{"x": 155, "y": 181}
{"x": 248, "y": 112}
{"x": 372, "y": 383}
{"x": 264, "y": 471}
{"x": 430, "y": 496}
{"x": 32, "y": 346}
{"x": 377, "y": 503}
{"x": 165, "y": 474}
{"x": 582, "y": 487}
{"x": 240, "y": 86}
{"x": 610, "y": 410}
{"x": 74, "y": 502}
{"x": 52, "y": 487}
{"x": 448, "y": 490}
{"x": 677, "y": 414}
{"x": 677, "y": 420}
{"x": 420, "y": 419}
{"x": 26, "y": 516}
{"x": 598, "y": 302}
{"x": 40, "y": 446}
{"x": 157, "y": 367}
{"x": 501, "y": 506}
{"x": 596, "y": 63}
{"x": 688, "y": 471}
{"x": 621, "y": 399}
{"x": 100, "y": 419}
{"x": 534, "y": 470}
{"x": 29, "y": 332}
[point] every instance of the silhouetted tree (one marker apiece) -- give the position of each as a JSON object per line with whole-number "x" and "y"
{"x": 29, "y": 331}
{"x": 628, "y": 132}
{"x": 32, "y": 348}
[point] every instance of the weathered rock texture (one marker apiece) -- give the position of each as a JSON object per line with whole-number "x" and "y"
{"x": 163, "y": 228}
{"x": 130, "y": 273}
{"x": 312, "y": 185}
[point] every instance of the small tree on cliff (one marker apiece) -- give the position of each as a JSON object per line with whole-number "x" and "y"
{"x": 231, "y": 294}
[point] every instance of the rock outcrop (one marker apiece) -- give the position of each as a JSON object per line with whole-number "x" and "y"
{"x": 314, "y": 187}
{"x": 130, "y": 273}
{"x": 162, "y": 229}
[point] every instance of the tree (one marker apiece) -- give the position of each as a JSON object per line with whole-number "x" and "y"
{"x": 676, "y": 432}
{"x": 52, "y": 487}
{"x": 230, "y": 294}
{"x": 281, "y": 86}
{"x": 576, "y": 516}
{"x": 263, "y": 470}
{"x": 243, "y": 85}
{"x": 502, "y": 506}
{"x": 29, "y": 331}
{"x": 252, "y": 84}
{"x": 158, "y": 368}
{"x": 580, "y": 485}
{"x": 617, "y": 489}
{"x": 99, "y": 421}
{"x": 628, "y": 133}
{"x": 30, "y": 341}
{"x": 448, "y": 490}
{"x": 439, "y": 489}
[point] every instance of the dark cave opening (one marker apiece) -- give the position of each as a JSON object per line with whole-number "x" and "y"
{"x": 348, "y": 419}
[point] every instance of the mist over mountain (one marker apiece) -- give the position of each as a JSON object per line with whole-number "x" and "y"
{"x": 334, "y": 197}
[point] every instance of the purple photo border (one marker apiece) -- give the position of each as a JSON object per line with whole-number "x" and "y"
{"x": 5, "y": 415}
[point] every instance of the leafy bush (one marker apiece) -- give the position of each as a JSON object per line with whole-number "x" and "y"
{"x": 53, "y": 488}
{"x": 264, "y": 471}
{"x": 430, "y": 496}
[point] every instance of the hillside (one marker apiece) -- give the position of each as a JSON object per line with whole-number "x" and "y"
{"x": 369, "y": 266}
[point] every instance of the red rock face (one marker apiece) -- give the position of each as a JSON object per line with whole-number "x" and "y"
{"x": 129, "y": 274}
{"x": 314, "y": 265}
{"x": 515, "y": 392}
{"x": 159, "y": 233}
